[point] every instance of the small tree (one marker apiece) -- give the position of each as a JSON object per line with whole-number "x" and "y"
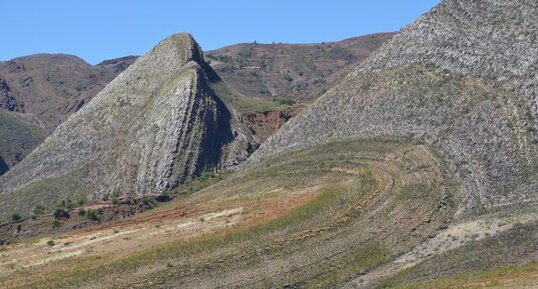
{"x": 16, "y": 217}
{"x": 92, "y": 215}
{"x": 81, "y": 212}
{"x": 61, "y": 214}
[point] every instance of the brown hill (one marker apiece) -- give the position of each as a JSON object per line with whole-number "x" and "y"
{"x": 53, "y": 86}
{"x": 160, "y": 123}
{"x": 291, "y": 71}
{"x": 45, "y": 89}
{"x": 42, "y": 91}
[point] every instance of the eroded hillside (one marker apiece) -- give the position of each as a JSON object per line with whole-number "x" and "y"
{"x": 155, "y": 126}
{"x": 292, "y": 72}
{"x": 459, "y": 78}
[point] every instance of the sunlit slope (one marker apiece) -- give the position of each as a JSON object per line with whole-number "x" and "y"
{"x": 315, "y": 217}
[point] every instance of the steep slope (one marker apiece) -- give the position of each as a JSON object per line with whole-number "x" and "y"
{"x": 156, "y": 125}
{"x": 461, "y": 78}
{"x": 53, "y": 86}
{"x": 18, "y": 139}
{"x": 43, "y": 90}
{"x": 50, "y": 87}
{"x": 291, "y": 71}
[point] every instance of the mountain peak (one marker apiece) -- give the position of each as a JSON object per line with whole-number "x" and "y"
{"x": 156, "y": 125}
{"x": 179, "y": 48}
{"x": 457, "y": 78}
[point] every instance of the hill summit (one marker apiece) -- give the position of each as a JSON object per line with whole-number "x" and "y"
{"x": 462, "y": 79}
{"x": 156, "y": 125}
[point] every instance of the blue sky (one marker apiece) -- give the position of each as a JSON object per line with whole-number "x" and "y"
{"x": 102, "y": 29}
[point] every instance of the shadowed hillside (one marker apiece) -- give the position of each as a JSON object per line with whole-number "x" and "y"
{"x": 159, "y": 124}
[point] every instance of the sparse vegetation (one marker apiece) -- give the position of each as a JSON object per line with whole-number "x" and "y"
{"x": 56, "y": 224}
{"x": 328, "y": 180}
{"x": 16, "y": 217}
{"x": 92, "y": 215}
{"x": 39, "y": 210}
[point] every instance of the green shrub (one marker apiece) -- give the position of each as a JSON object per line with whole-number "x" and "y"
{"x": 56, "y": 224}
{"x": 148, "y": 201}
{"x": 80, "y": 202}
{"x": 57, "y": 212}
{"x": 206, "y": 175}
{"x": 16, "y": 217}
{"x": 69, "y": 204}
{"x": 92, "y": 215}
{"x": 81, "y": 212}
{"x": 50, "y": 243}
{"x": 39, "y": 210}
{"x": 60, "y": 213}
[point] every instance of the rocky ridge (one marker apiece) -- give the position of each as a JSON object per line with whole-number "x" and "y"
{"x": 158, "y": 124}
{"x": 461, "y": 78}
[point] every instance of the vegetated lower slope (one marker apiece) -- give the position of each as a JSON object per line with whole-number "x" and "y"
{"x": 313, "y": 218}
{"x": 18, "y": 139}
{"x": 462, "y": 78}
{"x": 291, "y": 72}
{"x": 155, "y": 126}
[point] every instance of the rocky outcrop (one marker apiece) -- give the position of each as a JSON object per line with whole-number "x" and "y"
{"x": 264, "y": 124}
{"x": 461, "y": 78}
{"x": 156, "y": 125}
{"x": 7, "y": 100}
{"x": 3, "y": 167}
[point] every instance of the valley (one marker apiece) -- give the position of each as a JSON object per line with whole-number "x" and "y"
{"x": 391, "y": 160}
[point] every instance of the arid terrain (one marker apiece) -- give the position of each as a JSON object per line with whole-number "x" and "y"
{"x": 391, "y": 160}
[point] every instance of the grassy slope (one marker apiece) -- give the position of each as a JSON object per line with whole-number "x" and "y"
{"x": 18, "y": 138}
{"x": 291, "y": 71}
{"x": 494, "y": 262}
{"x": 313, "y": 218}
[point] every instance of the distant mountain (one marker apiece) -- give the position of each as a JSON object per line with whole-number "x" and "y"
{"x": 291, "y": 71}
{"x": 53, "y": 86}
{"x": 462, "y": 79}
{"x": 44, "y": 90}
{"x": 160, "y": 123}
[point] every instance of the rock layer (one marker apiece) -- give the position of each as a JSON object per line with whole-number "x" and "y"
{"x": 461, "y": 78}
{"x": 156, "y": 125}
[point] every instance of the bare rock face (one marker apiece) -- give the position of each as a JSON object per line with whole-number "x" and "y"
{"x": 153, "y": 127}
{"x": 462, "y": 78}
{"x": 7, "y": 100}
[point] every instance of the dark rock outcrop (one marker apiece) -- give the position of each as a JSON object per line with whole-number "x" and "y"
{"x": 7, "y": 100}
{"x": 462, "y": 78}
